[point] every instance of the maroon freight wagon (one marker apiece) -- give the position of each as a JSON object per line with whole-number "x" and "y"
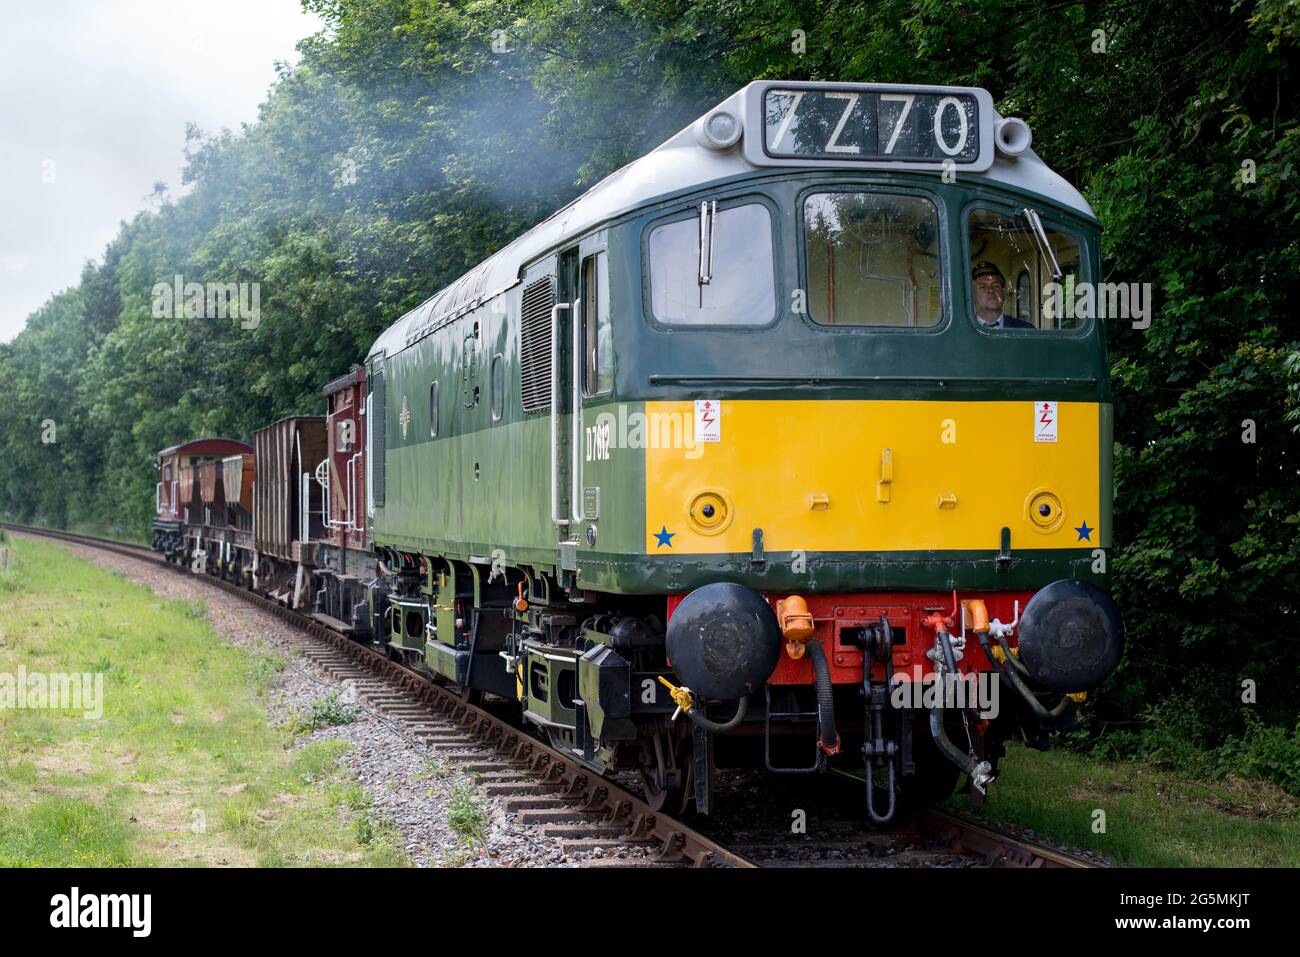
{"x": 344, "y": 564}
{"x": 178, "y": 501}
{"x": 345, "y": 489}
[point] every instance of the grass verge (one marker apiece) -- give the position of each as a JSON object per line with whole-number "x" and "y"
{"x": 183, "y": 767}
{"x": 1151, "y": 818}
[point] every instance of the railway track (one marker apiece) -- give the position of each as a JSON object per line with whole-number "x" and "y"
{"x": 547, "y": 788}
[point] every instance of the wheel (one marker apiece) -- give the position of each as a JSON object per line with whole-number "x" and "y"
{"x": 469, "y": 695}
{"x": 666, "y": 780}
{"x": 658, "y": 796}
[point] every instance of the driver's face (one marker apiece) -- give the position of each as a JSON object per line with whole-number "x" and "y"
{"x": 988, "y": 293}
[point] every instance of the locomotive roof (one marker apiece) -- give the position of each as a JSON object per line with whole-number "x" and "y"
{"x": 677, "y": 165}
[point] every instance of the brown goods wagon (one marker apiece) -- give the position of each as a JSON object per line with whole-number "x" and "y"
{"x": 210, "y": 484}
{"x": 237, "y": 479}
{"x": 180, "y": 484}
{"x": 189, "y": 499}
{"x": 287, "y": 499}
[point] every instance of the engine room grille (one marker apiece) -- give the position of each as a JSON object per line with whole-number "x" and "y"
{"x": 535, "y": 344}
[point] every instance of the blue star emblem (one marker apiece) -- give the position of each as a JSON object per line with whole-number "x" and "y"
{"x": 664, "y": 537}
{"x": 1085, "y": 533}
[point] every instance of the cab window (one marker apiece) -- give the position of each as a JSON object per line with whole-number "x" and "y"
{"x": 714, "y": 268}
{"x": 872, "y": 259}
{"x": 1021, "y": 272}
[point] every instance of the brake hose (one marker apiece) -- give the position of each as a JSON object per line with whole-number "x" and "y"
{"x": 829, "y": 740}
{"x": 980, "y": 771}
{"x": 1019, "y": 685}
{"x": 742, "y": 709}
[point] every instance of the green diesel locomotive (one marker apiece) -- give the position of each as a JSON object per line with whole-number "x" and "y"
{"x": 718, "y": 461}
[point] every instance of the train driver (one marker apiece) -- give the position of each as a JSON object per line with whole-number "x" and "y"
{"x": 988, "y": 288}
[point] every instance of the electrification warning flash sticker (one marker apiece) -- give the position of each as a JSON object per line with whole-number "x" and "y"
{"x": 708, "y": 420}
{"x": 1045, "y": 422}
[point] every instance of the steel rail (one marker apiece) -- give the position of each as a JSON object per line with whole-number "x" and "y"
{"x": 998, "y": 848}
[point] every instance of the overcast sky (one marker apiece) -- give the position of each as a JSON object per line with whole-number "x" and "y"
{"x": 95, "y": 95}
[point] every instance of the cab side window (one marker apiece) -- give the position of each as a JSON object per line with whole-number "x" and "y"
{"x": 714, "y": 268}
{"x": 1021, "y": 271}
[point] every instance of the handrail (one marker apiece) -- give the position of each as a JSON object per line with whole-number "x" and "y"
{"x": 556, "y": 517}
{"x": 575, "y": 427}
{"x": 353, "y": 515}
{"x": 350, "y": 495}
{"x": 326, "y": 498}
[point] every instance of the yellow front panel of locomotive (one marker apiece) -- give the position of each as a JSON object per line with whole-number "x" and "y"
{"x": 873, "y": 476}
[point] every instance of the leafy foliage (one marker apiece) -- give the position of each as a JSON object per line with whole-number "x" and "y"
{"x": 407, "y": 145}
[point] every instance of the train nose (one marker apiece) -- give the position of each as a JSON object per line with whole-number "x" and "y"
{"x": 1071, "y": 636}
{"x": 723, "y": 641}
